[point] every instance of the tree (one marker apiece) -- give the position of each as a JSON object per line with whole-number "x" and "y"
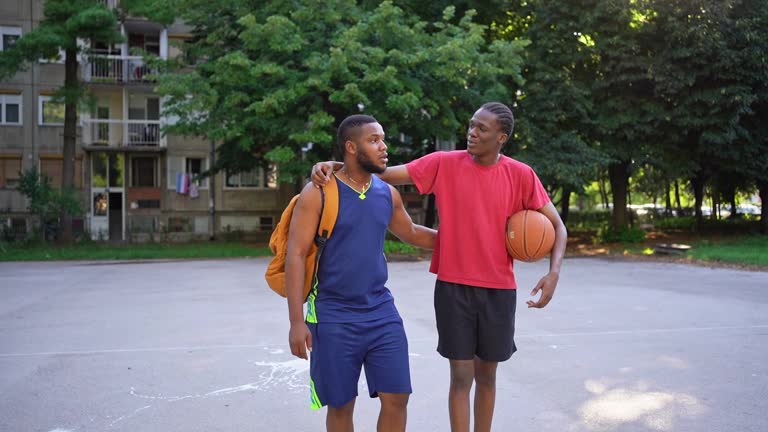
{"x": 699, "y": 75}
{"x": 65, "y": 22}
{"x": 275, "y": 76}
{"x": 747, "y": 34}
{"x": 555, "y": 103}
{"x": 625, "y": 112}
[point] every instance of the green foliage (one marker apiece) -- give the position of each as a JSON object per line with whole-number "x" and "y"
{"x": 555, "y": 102}
{"x": 677, "y": 223}
{"x": 609, "y": 234}
{"x": 46, "y": 202}
{"x": 588, "y": 220}
{"x": 664, "y": 90}
{"x": 275, "y": 76}
{"x": 398, "y": 247}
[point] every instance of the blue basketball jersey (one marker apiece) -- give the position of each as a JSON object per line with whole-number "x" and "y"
{"x": 352, "y": 273}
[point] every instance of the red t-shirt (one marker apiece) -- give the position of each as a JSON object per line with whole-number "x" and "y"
{"x": 473, "y": 203}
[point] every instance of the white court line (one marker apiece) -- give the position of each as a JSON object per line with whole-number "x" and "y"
{"x": 528, "y": 336}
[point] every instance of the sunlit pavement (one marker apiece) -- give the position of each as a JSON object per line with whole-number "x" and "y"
{"x": 201, "y": 346}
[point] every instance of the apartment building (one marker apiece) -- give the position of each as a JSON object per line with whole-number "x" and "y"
{"x": 136, "y": 183}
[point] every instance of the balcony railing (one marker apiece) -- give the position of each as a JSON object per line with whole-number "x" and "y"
{"x": 117, "y": 69}
{"x": 109, "y": 3}
{"x": 123, "y": 133}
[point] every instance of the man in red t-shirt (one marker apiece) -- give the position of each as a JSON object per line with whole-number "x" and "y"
{"x": 475, "y": 293}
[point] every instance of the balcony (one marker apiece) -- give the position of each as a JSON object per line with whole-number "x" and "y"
{"x": 109, "y": 3}
{"x": 123, "y": 134}
{"x": 115, "y": 69}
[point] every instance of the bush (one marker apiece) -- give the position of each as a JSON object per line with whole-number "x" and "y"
{"x": 608, "y": 234}
{"x": 709, "y": 226}
{"x": 46, "y": 202}
{"x": 587, "y": 220}
{"x": 392, "y": 246}
{"x": 673, "y": 223}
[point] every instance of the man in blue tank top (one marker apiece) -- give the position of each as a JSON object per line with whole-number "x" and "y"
{"x": 351, "y": 318}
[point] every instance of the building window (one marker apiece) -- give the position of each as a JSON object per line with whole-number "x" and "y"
{"x": 9, "y": 36}
{"x": 51, "y": 113}
{"x": 9, "y": 172}
{"x": 256, "y": 178}
{"x": 179, "y": 224}
{"x": 148, "y": 204}
{"x": 194, "y": 166}
{"x": 186, "y": 165}
{"x": 10, "y": 109}
{"x": 19, "y": 226}
{"x": 144, "y": 172}
{"x": 52, "y": 167}
{"x": 265, "y": 223}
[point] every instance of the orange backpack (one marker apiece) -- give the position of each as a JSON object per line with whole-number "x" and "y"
{"x": 329, "y": 211}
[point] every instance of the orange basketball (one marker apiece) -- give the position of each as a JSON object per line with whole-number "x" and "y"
{"x": 530, "y": 236}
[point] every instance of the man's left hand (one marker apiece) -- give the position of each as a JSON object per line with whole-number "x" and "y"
{"x": 547, "y": 286}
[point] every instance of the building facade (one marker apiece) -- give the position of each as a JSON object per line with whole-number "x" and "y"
{"x": 136, "y": 183}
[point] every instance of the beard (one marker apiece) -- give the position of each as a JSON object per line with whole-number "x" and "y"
{"x": 368, "y": 165}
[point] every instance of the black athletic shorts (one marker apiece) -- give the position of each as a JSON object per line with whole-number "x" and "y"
{"x": 473, "y": 321}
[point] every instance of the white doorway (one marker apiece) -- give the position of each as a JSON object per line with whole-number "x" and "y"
{"x": 107, "y": 196}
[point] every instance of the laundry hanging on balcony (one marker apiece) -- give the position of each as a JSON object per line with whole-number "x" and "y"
{"x": 194, "y": 191}
{"x": 182, "y": 183}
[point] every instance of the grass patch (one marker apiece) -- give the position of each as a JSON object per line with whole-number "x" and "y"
{"x": 751, "y": 250}
{"x": 99, "y": 251}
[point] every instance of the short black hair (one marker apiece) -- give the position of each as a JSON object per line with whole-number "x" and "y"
{"x": 346, "y": 131}
{"x": 503, "y": 114}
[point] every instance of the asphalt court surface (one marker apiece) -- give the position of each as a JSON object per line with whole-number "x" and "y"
{"x": 202, "y": 346}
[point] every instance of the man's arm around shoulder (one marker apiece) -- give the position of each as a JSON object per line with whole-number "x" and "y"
{"x": 396, "y": 175}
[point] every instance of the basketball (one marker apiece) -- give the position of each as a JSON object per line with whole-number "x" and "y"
{"x": 530, "y": 236}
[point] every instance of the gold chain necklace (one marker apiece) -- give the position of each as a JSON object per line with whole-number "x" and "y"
{"x": 365, "y": 186}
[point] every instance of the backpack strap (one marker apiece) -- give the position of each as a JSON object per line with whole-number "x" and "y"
{"x": 329, "y": 210}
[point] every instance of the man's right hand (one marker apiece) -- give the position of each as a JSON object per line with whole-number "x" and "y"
{"x": 321, "y": 173}
{"x": 300, "y": 339}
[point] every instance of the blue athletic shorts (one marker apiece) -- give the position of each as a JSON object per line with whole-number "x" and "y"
{"x": 339, "y": 350}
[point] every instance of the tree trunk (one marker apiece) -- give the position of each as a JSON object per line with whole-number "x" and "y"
{"x": 618, "y": 174}
{"x": 603, "y": 192}
{"x": 212, "y": 194}
{"x": 70, "y": 138}
{"x": 565, "y": 203}
{"x": 677, "y": 198}
{"x": 630, "y": 210}
{"x": 429, "y": 214}
{"x": 732, "y": 202}
{"x": 668, "y": 201}
{"x": 763, "y": 186}
{"x": 697, "y": 183}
